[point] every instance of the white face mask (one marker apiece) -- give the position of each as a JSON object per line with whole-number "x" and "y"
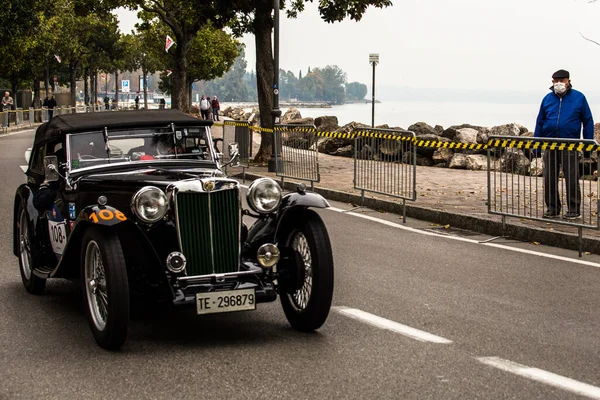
{"x": 560, "y": 88}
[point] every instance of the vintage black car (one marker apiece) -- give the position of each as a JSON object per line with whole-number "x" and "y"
{"x": 135, "y": 206}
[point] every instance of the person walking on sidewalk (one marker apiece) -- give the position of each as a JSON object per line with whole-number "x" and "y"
{"x": 562, "y": 114}
{"x": 51, "y": 104}
{"x": 215, "y": 108}
{"x": 204, "y": 107}
{"x": 7, "y": 103}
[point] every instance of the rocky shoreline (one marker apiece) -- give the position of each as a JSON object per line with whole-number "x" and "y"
{"x": 524, "y": 161}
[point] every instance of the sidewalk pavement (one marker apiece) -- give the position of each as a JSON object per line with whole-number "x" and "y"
{"x": 445, "y": 196}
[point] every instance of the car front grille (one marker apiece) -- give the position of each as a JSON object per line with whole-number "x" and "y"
{"x": 209, "y": 230}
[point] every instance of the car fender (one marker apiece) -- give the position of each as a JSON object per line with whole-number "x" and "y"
{"x": 23, "y": 196}
{"x": 268, "y": 228}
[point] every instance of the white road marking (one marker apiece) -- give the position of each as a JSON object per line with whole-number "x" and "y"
{"x": 499, "y": 246}
{"x": 540, "y": 375}
{"x": 24, "y": 168}
{"x": 389, "y": 325}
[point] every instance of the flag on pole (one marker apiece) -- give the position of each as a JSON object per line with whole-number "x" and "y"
{"x": 57, "y": 58}
{"x": 169, "y": 72}
{"x": 169, "y": 43}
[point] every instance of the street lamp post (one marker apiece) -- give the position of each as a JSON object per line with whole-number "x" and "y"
{"x": 275, "y": 161}
{"x": 373, "y": 59}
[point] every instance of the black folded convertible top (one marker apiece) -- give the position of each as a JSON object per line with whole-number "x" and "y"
{"x": 72, "y": 123}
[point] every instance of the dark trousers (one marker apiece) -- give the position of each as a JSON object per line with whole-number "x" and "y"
{"x": 569, "y": 161}
{"x": 215, "y": 114}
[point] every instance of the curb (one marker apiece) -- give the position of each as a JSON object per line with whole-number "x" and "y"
{"x": 493, "y": 228}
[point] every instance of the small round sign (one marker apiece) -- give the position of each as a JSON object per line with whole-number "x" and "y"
{"x": 276, "y": 91}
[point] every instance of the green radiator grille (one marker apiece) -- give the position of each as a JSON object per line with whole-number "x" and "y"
{"x": 209, "y": 229}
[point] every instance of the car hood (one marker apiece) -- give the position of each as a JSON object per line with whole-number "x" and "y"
{"x": 146, "y": 176}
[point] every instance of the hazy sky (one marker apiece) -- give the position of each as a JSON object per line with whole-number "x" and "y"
{"x": 474, "y": 44}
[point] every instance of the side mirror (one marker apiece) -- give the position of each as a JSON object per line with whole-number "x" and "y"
{"x": 51, "y": 168}
{"x": 27, "y": 155}
{"x": 234, "y": 154}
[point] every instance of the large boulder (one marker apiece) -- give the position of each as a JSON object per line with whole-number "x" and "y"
{"x": 422, "y": 129}
{"x": 466, "y": 135}
{"x": 514, "y": 161}
{"x": 302, "y": 121}
{"x": 291, "y": 114}
{"x": 452, "y": 131}
{"x": 328, "y": 123}
{"x": 476, "y": 162}
{"x": 330, "y": 145}
{"x": 346, "y": 151}
{"x": 442, "y": 155}
{"x": 458, "y": 161}
{"x": 536, "y": 168}
{"x": 506, "y": 130}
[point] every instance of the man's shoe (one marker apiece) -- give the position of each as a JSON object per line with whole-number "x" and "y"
{"x": 572, "y": 215}
{"x": 551, "y": 214}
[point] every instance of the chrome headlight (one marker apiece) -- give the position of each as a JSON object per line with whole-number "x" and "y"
{"x": 149, "y": 204}
{"x": 264, "y": 195}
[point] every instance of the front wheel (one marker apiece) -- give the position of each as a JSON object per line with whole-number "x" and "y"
{"x": 306, "y": 303}
{"x": 105, "y": 287}
{"x": 27, "y": 260}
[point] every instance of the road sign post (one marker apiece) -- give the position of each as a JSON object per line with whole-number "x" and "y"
{"x": 373, "y": 59}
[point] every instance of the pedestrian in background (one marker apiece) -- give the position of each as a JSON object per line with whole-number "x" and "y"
{"x": 51, "y": 105}
{"x": 106, "y": 102}
{"x": 7, "y": 104}
{"x": 204, "y": 107}
{"x": 562, "y": 114}
{"x": 137, "y": 102}
{"x": 215, "y": 108}
{"x": 161, "y": 104}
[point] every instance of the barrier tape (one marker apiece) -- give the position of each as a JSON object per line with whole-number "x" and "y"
{"x": 492, "y": 143}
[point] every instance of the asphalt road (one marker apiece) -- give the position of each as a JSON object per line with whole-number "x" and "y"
{"x": 417, "y": 315}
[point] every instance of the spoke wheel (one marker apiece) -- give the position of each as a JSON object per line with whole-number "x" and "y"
{"x": 307, "y": 304}
{"x": 27, "y": 262}
{"x": 105, "y": 287}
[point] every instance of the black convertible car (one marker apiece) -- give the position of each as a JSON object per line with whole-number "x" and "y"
{"x": 135, "y": 206}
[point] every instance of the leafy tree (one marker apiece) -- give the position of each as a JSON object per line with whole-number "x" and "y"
{"x": 356, "y": 91}
{"x": 334, "y": 80}
{"x": 184, "y": 18}
{"x": 255, "y": 16}
{"x": 230, "y": 86}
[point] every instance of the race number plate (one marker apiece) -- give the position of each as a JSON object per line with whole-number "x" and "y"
{"x": 226, "y": 301}
{"x": 58, "y": 236}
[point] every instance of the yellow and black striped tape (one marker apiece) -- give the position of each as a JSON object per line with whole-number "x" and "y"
{"x": 337, "y": 135}
{"x": 234, "y": 123}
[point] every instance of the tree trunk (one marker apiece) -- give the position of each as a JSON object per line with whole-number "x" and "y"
{"x": 93, "y": 87}
{"x": 263, "y": 25}
{"x": 36, "y": 100}
{"x": 73, "y": 84}
{"x": 86, "y": 88}
{"x": 179, "y": 96}
{"x": 116, "y": 102}
{"x": 145, "y": 89}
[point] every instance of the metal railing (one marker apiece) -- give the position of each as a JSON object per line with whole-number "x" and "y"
{"x": 385, "y": 162}
{"x": 544, "y": 179}
{"x": 239, "y": 132}
{"x": 296, "y": 146}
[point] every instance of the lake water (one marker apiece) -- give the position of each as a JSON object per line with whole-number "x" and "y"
{"x": 403, "y": 114}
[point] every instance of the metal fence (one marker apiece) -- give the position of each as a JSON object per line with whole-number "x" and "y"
{"x": 240, "y": 133}
{"x": 544, "y": 179}
{"x": 385, "y": 162}
{"x": 296, "y": 146}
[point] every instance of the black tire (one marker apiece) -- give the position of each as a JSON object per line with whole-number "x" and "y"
{"x": 105, "y": 287}
{"x": 27, "y": 260}
{"x": 307, "y": 308}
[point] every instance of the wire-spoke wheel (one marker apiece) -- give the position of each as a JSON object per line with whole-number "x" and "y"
{"x": 307, "y": 305}
{"x": 105, "y": 287}
{"x": 32, "y": 283}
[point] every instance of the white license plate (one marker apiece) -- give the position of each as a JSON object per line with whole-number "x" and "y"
{"x": 226, "y": 301}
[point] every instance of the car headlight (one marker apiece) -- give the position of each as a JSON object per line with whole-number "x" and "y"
{"x": 149, "y": 204}
{"x": 264, "y": 195}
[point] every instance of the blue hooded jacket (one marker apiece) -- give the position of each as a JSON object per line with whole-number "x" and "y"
{"x": 562, "y": 117}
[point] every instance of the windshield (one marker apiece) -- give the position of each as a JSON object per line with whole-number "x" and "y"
{"x": 93, "y": 149}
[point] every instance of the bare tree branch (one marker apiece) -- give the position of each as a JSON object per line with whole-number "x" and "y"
{"x": 589, "y": 40}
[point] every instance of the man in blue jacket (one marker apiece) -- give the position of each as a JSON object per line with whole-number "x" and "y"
{"x": 562, "y": 114}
